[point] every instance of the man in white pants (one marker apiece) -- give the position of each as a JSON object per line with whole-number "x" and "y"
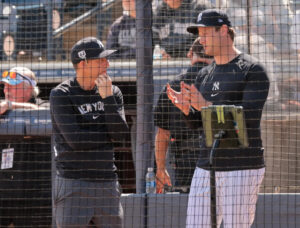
{"x": 237, "y": 79}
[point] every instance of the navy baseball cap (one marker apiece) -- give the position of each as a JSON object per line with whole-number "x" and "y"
{"x": 89, "y": 48}
{"x": 210, "y": 18}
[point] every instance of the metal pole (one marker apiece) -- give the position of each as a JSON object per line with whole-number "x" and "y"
{"x": 213, "y": 200}
{"x": 145, "y": 91}
{"x": 213, "y": 194}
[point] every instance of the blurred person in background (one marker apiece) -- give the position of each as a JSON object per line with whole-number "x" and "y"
{"x": 295, "y": 31}
{"x": 182, "y": 143}
{"x": 290, "y": 94}
{"x": 20, "y": 90}
{"x": 276, "y": 26}
{"x": 257, "y": 46}
{"x": 24, "y": 162}
{"x": 122, "y": 33}
{"x": 170, "y": 20}
{"x": 290, "y": 88}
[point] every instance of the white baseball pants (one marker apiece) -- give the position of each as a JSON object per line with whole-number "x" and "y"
{"x": 237, "y": 193}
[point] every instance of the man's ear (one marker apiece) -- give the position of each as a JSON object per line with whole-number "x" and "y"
{"x": 224, "y": 30}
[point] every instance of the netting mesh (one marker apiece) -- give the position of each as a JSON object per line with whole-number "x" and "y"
{"x": 81, "y": 125}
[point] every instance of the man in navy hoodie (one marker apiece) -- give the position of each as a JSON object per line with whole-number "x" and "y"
{"x": 87, "y": 116}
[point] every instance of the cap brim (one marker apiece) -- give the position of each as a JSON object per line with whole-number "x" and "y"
{"x": 11, "y": 81}
{"x": 106, "y": 53}
{"x": 194, "y": 28}
{"x": 103, "y": 54}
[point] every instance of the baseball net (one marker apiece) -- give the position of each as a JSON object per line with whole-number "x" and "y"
{"x": 39, "y": 35}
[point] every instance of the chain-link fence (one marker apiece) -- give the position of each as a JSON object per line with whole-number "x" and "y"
{"x": 80, "y": 125}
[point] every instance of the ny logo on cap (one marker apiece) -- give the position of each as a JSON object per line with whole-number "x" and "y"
{"x": 82, "y": 54}
{"x": 199, "y": 17}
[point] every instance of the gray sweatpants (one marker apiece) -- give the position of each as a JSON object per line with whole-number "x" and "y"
{"x": 78, "y": 203}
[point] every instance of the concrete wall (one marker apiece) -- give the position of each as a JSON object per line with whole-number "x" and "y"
{"x": 169, "y": 210}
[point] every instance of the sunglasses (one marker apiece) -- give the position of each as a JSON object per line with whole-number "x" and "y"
{"x": 12, "y": 75}
{"x": 15, "y": 75}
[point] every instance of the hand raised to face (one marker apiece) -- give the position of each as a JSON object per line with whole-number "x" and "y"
{"x": 104, "y": 84}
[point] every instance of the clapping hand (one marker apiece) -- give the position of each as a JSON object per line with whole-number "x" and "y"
{"x": 197, "y": 100}
{"x": 180, "y": 99}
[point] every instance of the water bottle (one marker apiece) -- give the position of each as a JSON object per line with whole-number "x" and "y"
{"x": 150, "y": 181}
{"x": 157, "y": 52}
